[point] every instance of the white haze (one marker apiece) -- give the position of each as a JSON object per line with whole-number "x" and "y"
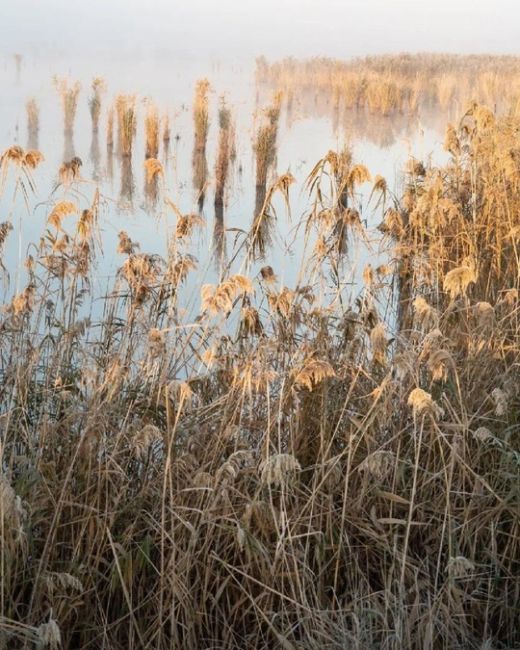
{"x": 231, "y": 30}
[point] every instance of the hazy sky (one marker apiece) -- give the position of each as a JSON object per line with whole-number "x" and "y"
{"x": 246, "y": 28}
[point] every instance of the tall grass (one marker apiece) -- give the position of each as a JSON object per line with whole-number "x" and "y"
{"x": 281, "y": 471}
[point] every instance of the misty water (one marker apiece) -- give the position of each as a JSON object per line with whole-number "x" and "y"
{"x": 308, "y": 130}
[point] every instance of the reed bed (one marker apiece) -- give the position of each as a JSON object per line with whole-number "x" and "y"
{"x": 281, "y": 471}
{"x": 404, "y": 83}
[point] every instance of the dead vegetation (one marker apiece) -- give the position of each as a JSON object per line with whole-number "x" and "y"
{"x": 286, "y": 469}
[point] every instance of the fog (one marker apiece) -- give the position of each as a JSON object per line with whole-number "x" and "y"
{"x": 234, "y": 29}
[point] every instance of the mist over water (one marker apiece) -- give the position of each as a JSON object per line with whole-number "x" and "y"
{"x": 237, "y": 31}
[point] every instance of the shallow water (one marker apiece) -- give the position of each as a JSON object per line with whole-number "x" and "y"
{"x": 308, "y": 129}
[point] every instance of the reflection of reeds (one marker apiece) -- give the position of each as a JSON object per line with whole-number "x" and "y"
{"x": 201, "y": 126}
{"x": 126, "y": 123}
{"x": 95, "y": 154}
{"x": 68, "y": 145}
{"x": 110, "y": 143}
{"x": 127, "y": 180}
{"x": 153, "y": 171}
{"x": 225, "y": 146}
{"x": 151, "y": 128}
{"x": 33, "y": 123}
{"x": 98, "y": 87}
{"x": 18, "y": 58}
{"x": 166, "y": 135}
{"x": 219, "y": 240}
{"x": 110, "y": 130}
{"x": 69, "y": 101}
{"x": 261, "y": 233}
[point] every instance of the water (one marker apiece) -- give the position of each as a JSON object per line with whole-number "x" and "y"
{"x": 308, "y": 129}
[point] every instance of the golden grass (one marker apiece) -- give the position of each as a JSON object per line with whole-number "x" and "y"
{"x": 282, "y": 470}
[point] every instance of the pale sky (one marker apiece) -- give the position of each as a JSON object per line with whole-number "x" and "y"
{"x": 246, "y": 28}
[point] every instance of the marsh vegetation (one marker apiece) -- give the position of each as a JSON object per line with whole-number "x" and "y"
{"x": 324, "y": 464}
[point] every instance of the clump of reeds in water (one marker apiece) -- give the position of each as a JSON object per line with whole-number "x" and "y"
{"x": 69, "y": 93}
{"x": 201, "y": 128}
{"x": 126, "y": 123}
{"x": 33, "y": 123}
{"x": 265, "y": 155}
{"x": 151, "y": 129}
{"x": 98, "y": 87}
{"x": 224, "y": 153}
